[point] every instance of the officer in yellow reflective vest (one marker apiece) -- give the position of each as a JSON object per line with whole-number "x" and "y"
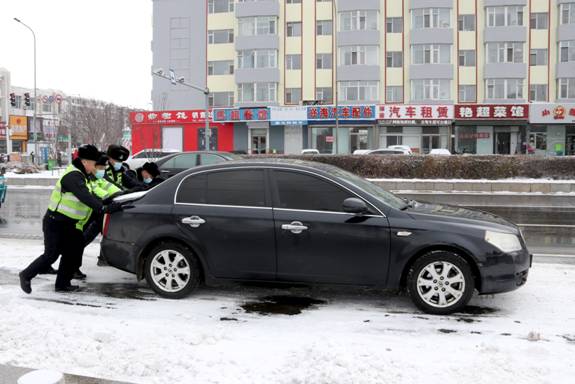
{"x": 117, "y": 172}
{"x": 71, "y": 204}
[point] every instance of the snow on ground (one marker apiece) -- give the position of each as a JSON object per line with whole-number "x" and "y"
{"x": 40, "y": 175}
{"x": 119, "y": 330}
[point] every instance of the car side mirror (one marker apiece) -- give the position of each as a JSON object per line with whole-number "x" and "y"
{"x": 355, "y": 205}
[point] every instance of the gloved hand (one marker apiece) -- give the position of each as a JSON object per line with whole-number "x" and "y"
{"x": 114, "y": 206}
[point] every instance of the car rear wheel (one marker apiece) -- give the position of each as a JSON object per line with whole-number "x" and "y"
{"x": 172, "y": 270}
{"x": 440, "y": 283}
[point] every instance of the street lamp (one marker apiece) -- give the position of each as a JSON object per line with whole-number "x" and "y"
{"x": 206, "y": 91}
{"x": 35, "y": 99}
{"x": 335, "y": 95}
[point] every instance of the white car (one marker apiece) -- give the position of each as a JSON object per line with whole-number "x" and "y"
{"x": 440, "y": 152}
{"x": 309, "y": 152}
{"x": 381, "y": 151}
{"x": 146, "y": 155}
{"x": 405, "y": 148}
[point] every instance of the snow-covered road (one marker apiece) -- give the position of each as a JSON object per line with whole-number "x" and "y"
{"x": 118, "y": 329}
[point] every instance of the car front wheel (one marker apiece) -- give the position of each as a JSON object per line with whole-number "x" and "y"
{"x": 440, "y": 283}
{"x": 172, "y": 270}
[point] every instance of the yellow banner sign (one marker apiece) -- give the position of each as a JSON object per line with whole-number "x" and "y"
{"x": 19, "y": 127}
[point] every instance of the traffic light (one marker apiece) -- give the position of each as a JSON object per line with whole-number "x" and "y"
{"x": 27, "y": 99}
{"x": 13, "y": 99}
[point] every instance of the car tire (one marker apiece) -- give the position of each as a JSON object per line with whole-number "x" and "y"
{"x": 440, "y": 283}
{"x": 172, "y": 270}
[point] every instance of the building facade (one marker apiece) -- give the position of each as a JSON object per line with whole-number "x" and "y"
{"x": 458, "y": 74}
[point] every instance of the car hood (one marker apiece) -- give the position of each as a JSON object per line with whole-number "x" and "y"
{"x": 450, "y": 213}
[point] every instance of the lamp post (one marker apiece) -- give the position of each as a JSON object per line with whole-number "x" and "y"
{"x": 205, "y": 91}
{"x": 35, "y": 100}
{"x": 335, "y": 95}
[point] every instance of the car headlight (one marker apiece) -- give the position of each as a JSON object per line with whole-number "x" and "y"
{"x": 507, "y": 242}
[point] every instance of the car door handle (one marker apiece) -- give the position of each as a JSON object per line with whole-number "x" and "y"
{"x": 295, "y": 227}
{"x": 193, "y": 221}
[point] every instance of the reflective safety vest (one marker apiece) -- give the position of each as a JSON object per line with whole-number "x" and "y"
{"x": 115, "y": 177}
{"x": 103, "y": 189}
{"x": 68, "y": 204}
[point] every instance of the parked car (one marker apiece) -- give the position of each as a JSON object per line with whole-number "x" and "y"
{"x": 138, "y": 159}
{"x": 309, "y": 152}
{"x": 296, "y": 221}
{"x": 405, "y": 148}
{"x": 173, "y": 164}
{"x": 381, "y": 151}
{"x": 440, "y": 152}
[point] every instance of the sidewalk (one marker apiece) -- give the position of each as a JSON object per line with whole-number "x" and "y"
{"x": 10, "y": 375}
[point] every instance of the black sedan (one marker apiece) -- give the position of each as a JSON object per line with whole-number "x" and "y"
{"x": 178, "y": 162}
{"x": 296, "y": 221}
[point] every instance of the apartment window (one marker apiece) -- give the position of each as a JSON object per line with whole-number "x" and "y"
{"x": 504, "y": 52}
{"x": 394, "y": 25}
{"x": 323, "y": 61}
{"x": 324, "y": 94}
{"x": 538, "y": 57}
{"x": 504, "y": 16}
{"x": 221, "y": 36}
{"x": 324, "y": 27}
{"x": 257, "y": 92}
{"x": 538, "y": 92}
{"x": 394, "y": 59}
{"x": 221, "y": 99}
{"x": 359, "y": 55}
{"x": 294, "y": 1}
{"x": 394, "y": 94}
{"x": 431, "y": 18}
{"x": 566, "y": 88}
{"x": 293, "y": 29}
{"x": 323, "y": 1}
{"x": 222, "y": 67}
{"x": 293, "y": 61}
{"x": 179, "y": 22}
{"x": 359, "y": 21}
{"x": 430, "y": 89}
{"x": 467, "y": 58}
{"x": 18, "y": 102}
{"x": 252, "y": 26}
{"x": 466, "y": 23}
{"x": 567, "y": 51}
{"x": 46, "y": 107}
{"x": 358, "y": 90}
{"x": 504, "y": 88}
{"x": 539, "y": 20}
{"x": 567, "y": 12}
{"x": 431, "y": 53}
{"x": 293, "y": 95}
{"x": 257, "y": 58}
{"x": 467, "y": 93}
{"x": 219, "y": 6}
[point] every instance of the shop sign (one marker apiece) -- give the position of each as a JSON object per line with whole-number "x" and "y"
{"x": 288, "y": 115}
{"x": 345, "y": 112}
{"x": 416, "y": 114}
{"x": 241, "y": 114}
{"x": 491, "y": 111}
{"x": 168, "y": 117}
{"x": 552, "y": 113}
{"x": 329, "y": 139}
{"x": 474, "y": 136}
{"x": 19, "y": 127}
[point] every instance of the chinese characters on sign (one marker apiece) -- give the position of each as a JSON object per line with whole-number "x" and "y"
{"x": 415, "y": 112}
{"x": 493, "y": 111}
{"x": 474, "y": 136}
{"x": 344, "y": 112}
{"x": 242, "y": 114}
{"x": 166, "y": 117}
{"x": 552, "y": 113}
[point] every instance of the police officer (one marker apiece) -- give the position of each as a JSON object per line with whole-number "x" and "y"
{"x": 71, "y": 205}
{"x": 151, "y": 174}
{"x": 117, "y": 172}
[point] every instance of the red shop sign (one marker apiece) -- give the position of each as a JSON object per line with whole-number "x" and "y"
{"x": 492, "y": 111}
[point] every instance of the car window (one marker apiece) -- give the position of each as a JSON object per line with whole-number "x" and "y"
{"x": 235, "y": 187}
{"x": 207, "y": 159}
{"x": 140, "y": 155}
{"x": 301, "y": 191}
{"x": 183, "y": 161}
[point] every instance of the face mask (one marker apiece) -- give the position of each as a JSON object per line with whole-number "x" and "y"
{"x": 100, "y": 173}
{"x": 148, "y": 180}
{"x": 117, "y": 166}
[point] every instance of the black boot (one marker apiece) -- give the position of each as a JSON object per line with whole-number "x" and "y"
{"x": 69, "y": 288}
{"x": 25, "y": 284}
{"x": 78, "y": 275}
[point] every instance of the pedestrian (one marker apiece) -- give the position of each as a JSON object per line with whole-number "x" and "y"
{"x": 59, "y": 159}
{"x": 151, "y": 174}
{"x": 71, "y": 204}
{"x": 117, "y": 171}
{"x": 32, "y": 157}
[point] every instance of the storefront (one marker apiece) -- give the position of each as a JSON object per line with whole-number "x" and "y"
{"x": 19, "y": 133}
{"x": 552, "y": 129}
{"x": 179, "y": 130}
{"x": 421, "y": 127}
{"x": 356, "y": 128}
{"x": 251, "y": 129}
{"x": 491, "y": 129}
{"x": 289, "y": 124}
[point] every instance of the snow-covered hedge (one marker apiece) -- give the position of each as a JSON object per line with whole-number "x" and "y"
{"x": 449, "y": 167}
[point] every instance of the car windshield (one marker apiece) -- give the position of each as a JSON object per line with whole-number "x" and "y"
{"x": 376, "y": 191}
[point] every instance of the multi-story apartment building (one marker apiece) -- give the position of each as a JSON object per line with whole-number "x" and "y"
{"x": 462, "y": 74}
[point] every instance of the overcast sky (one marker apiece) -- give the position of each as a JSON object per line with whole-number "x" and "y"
{"x": 92, "y": 48}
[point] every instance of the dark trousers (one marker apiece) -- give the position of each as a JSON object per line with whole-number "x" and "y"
{"x": 60, "y": 238}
